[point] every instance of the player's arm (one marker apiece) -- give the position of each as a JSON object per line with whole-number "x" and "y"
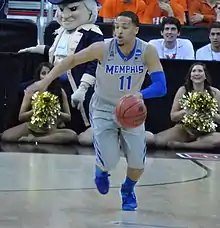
{"x": 158, "y": 86}
{"x": 93, "y": 52}
{"x": 89, "y": 75}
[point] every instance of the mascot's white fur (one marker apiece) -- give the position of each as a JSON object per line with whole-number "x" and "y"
{"x": 77, "y": 31}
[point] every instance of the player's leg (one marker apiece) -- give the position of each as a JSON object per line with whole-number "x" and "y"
{"x": 105, "y": 141}
{"x": 134, "y": 146}
{"x": 106, "y": 144}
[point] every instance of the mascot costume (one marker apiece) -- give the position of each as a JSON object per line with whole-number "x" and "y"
{"x": 77, "y": 31}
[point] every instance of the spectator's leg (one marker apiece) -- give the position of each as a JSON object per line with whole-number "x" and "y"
{"x": 150, "y": 137}
{"x": 176, "y": 133}
{"x": 209, "y": 141}
{"x": 85, "y": 138}
{"x": 59, "y": 136}
{"x": 15, "y": 133}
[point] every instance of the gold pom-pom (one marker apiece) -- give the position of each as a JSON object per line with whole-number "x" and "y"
{"x": 201, "y": 107}
{"x": 46, "y": 109}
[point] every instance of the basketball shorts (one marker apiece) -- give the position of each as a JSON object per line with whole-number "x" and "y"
{"x": 109, "y": 137}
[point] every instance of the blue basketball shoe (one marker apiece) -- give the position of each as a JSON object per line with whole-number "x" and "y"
{"x": 102, "y": 181}
{"x": 129, "y": 201}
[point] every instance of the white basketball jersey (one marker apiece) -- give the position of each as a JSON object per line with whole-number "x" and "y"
{"x": 118, "y": 75}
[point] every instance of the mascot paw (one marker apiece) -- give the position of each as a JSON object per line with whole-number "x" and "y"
{"x": 78, "y": 98}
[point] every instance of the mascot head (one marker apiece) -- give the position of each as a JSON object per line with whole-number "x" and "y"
{"x": 73, "y": 13}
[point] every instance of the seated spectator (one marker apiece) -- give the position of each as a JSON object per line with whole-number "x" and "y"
{"x": 111, "y": 8}
{"x": 211, "y": 51}
{"x": 183, "y": 3}
{"x": 171, "y": 47}
{"x": 189, "y": 136}
{"x": 57, "y": 134}
{"x": 158, "y": 9}
{"x": 217, "y": 11}
{"x": 202, "y": 12}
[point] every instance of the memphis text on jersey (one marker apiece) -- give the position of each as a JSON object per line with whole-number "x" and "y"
{"x": 124, "y": 69}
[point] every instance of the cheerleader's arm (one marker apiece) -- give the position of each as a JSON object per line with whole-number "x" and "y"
{"x": 25, "y": 111}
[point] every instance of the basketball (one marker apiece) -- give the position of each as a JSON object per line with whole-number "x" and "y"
{"x": 131, "y": 112}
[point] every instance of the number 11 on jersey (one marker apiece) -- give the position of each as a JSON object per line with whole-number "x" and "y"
{"x": 125, "y": 82}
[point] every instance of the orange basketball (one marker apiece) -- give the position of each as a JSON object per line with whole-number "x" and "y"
{"x": 131, "y": 112}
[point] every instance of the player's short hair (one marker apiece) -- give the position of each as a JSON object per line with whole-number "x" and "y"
{"x": 171, "y": 21}
{"x": 134, "y": 18}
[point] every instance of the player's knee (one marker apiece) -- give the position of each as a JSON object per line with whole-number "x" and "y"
{"x": 135, "y": 172}
{"x": 137, "y": 165}
{"x": 109, "y": 164}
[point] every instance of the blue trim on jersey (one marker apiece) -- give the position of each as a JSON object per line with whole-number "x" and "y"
{"x": 124, "y": 57}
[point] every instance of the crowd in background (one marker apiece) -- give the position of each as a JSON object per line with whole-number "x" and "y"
{"x": 191, "y": 12}
{"x": 171, "y": 15}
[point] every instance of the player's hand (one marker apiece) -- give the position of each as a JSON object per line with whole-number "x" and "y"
{"x": 40, "y": 86}
{"x": 77, "y": 98}
{"x": 137, "y": 94}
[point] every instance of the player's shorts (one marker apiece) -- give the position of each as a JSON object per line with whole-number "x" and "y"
{"x": 107, "y": 134}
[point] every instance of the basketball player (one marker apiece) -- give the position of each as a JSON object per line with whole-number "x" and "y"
{"x": 123, "y": 63}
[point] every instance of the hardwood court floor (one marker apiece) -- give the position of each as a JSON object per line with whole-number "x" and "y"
{"x": 52, "y": 187}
